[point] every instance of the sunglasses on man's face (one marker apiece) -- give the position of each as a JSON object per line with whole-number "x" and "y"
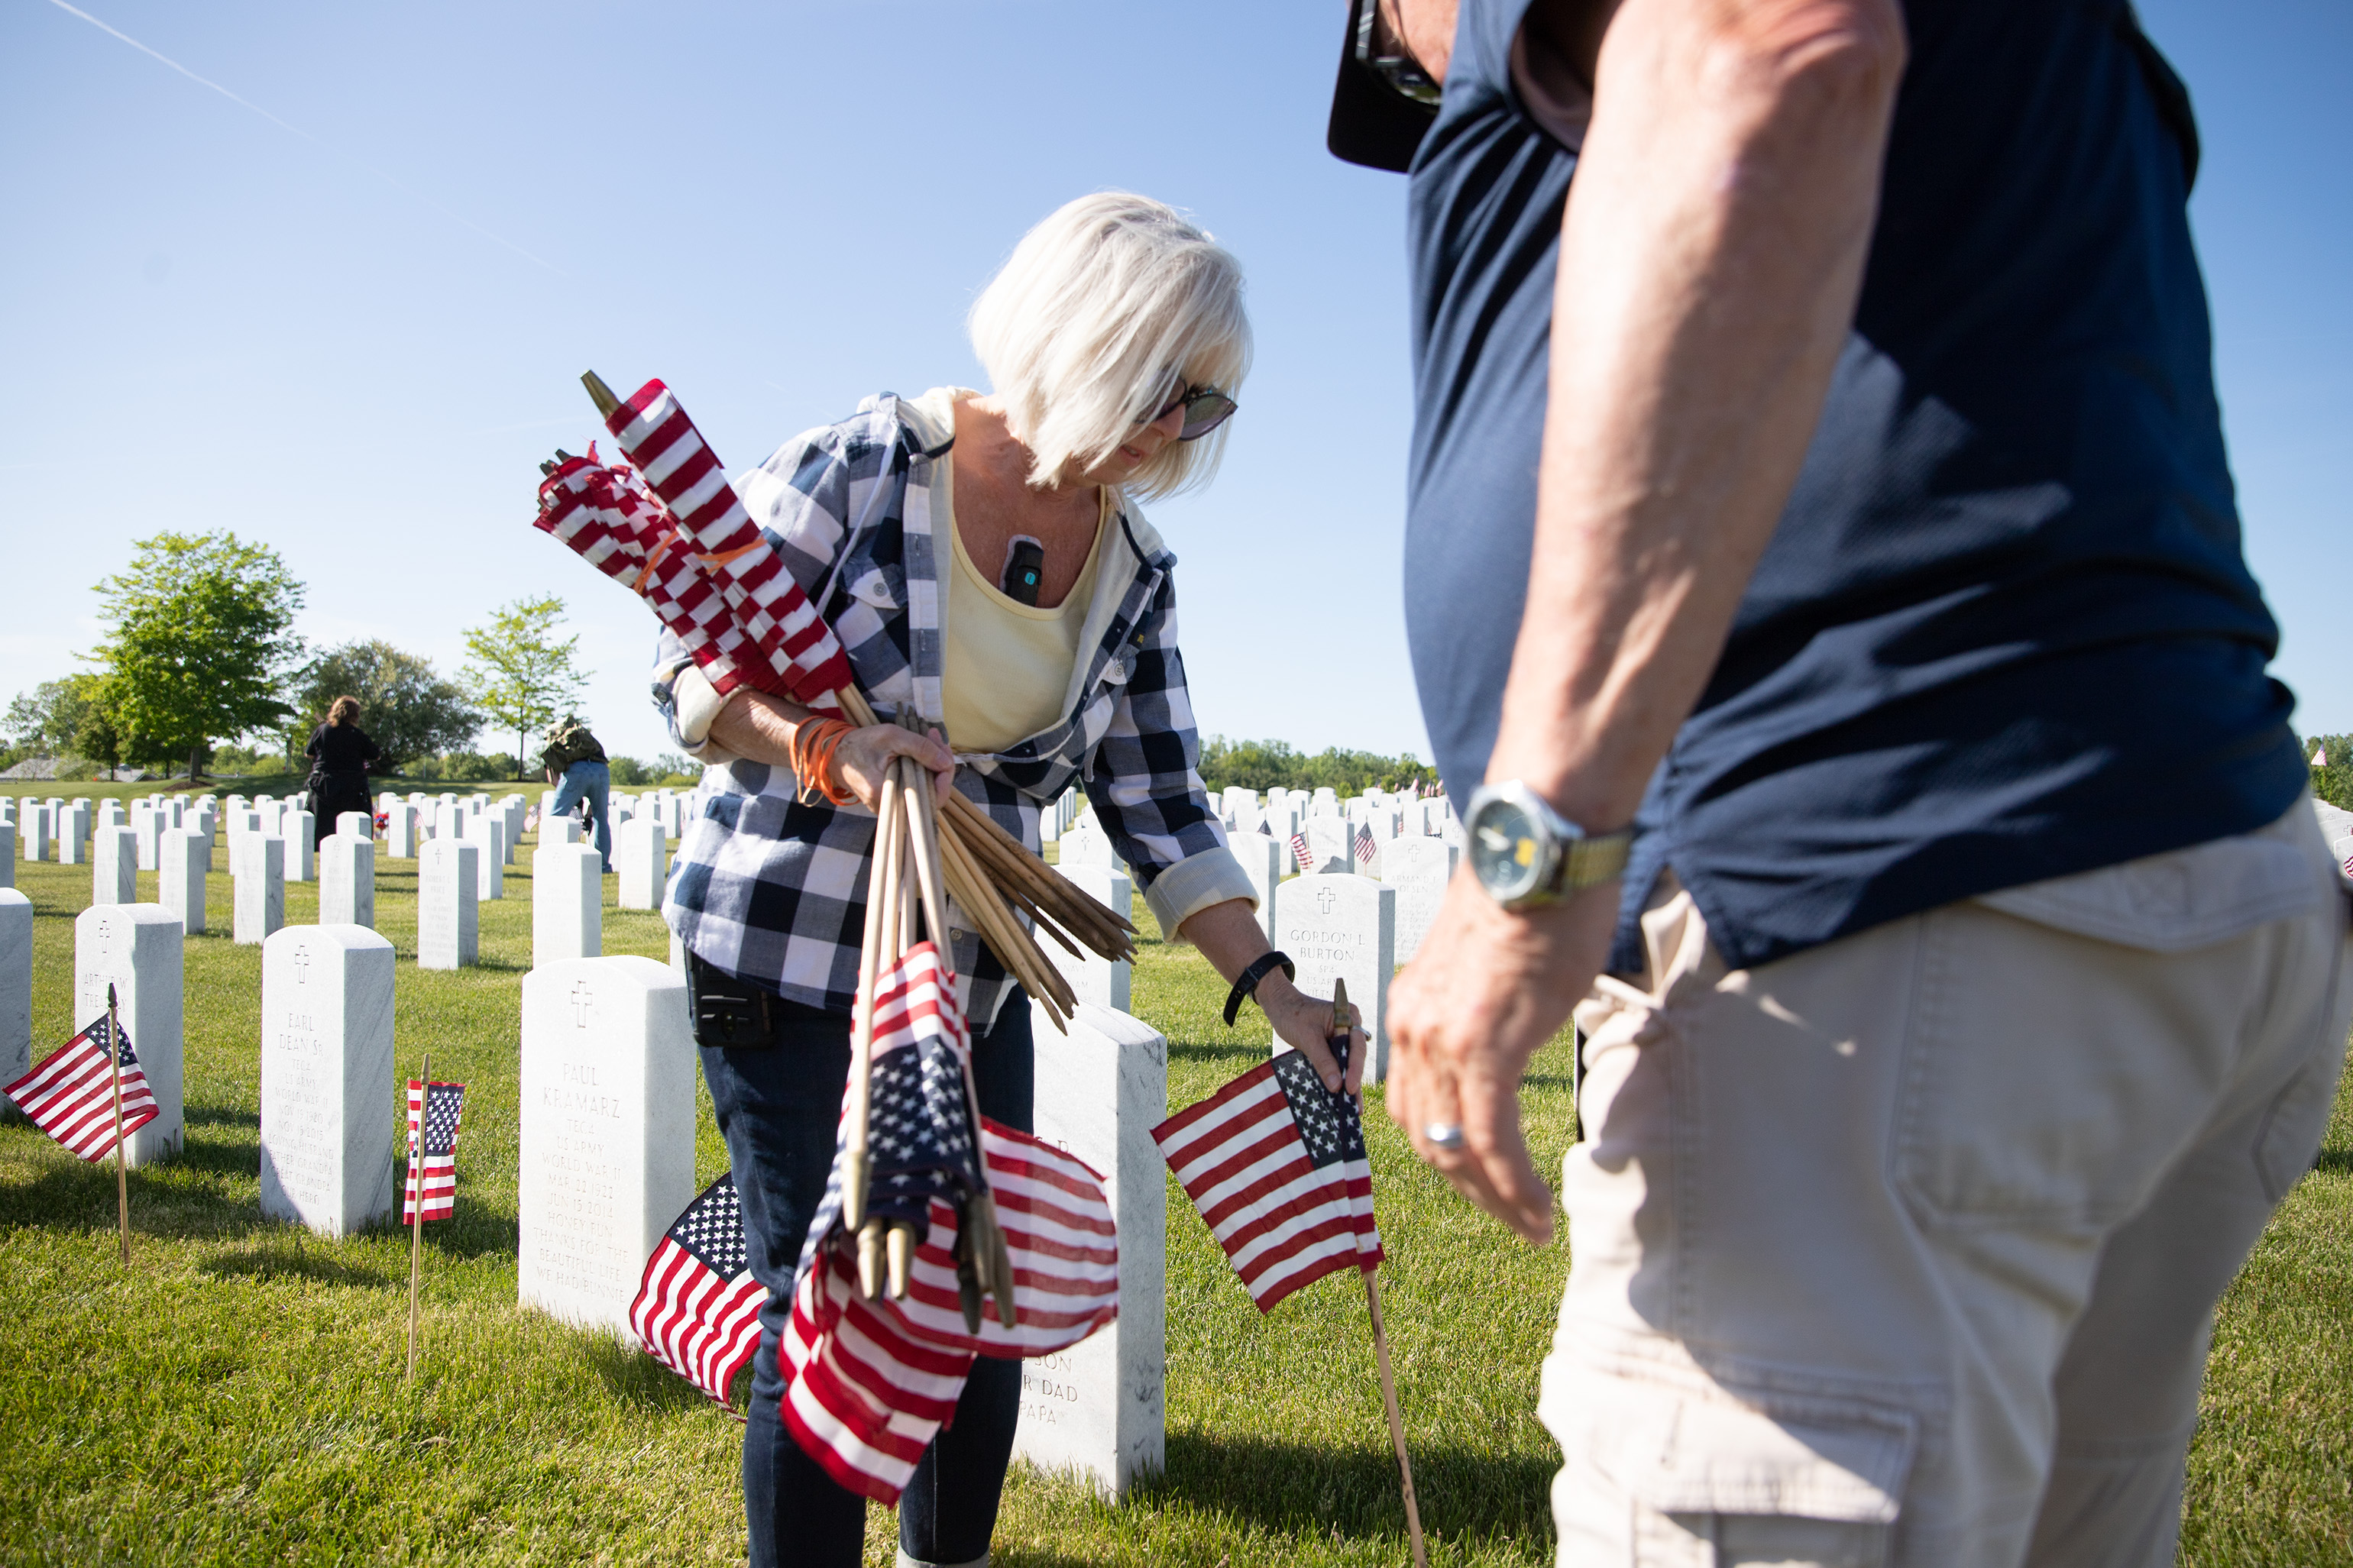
{"x": 1205, "y": 408}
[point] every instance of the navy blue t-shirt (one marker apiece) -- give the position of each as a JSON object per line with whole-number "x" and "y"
{"x": 2004, "y": 630}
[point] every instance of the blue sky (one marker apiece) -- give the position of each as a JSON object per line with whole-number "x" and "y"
{"x": 351, "y": 330}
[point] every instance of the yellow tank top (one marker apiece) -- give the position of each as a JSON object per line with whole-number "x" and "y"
{"x": 1006, "y": 665}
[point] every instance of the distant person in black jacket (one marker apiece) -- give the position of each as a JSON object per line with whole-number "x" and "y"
{"x": 340, "y": 752}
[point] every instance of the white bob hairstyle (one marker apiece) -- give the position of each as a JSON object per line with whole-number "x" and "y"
{"x": 1105, "y": 311}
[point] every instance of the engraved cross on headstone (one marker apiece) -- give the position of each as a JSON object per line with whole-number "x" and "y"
{"x": 582, "y": 998}
{"x": 301, "y": 966}
{"x": 1324, "y": 899}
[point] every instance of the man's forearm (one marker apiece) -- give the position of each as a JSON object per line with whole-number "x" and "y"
{"x": 1710, "y": 255}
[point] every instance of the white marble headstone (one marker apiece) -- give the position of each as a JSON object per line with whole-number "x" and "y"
{"x": 327, "y": 1093}
{"x": 115, "y": 868}
{"x": 7, "y": 854}
{"x": 34, "y": 822}
{"x": 73, "y": 835}
{"x": 302, "y": 834}
{"x": 357, "y": 824}
{"x": 146, "y": 821}
{"x": 1329, "y": 846}
{"x": 640, "y": 861}
{"x": 1342, "y": 927}
{"x": 607, "y": 1144}
{"x": 183, "y": 857}
{"x": 347, "y": 879}
{"x": 16, "y": 989}
{"x": 136, "y": 948}
{"x": 1419, "y": 868}
{"x": 1098, "y": 1408}
{"x": 1084, "y": 843}
{"x": 259, "y": 871}
{"x": 567, "y": 903}
{"x": 400, "y": 833}
{"x": 1094, "y": 978}
{"x": 448, "y": 870}
{"x": 1263, "y": 861}
{"x": 487, "y": 835}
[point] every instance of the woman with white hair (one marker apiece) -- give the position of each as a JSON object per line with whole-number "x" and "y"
{"x": 986, "y": 565}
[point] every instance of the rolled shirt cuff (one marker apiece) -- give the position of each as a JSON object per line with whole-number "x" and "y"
{"x": 1192, "y": 885}
{"x": 697, "y": 705}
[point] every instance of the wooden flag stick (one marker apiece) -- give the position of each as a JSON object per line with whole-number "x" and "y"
{"x": 861, "y": 1022}
{"x": 417, "y": 1207}
{"x": 1397, "y": 1426}
{"x": 121, "y": 1157}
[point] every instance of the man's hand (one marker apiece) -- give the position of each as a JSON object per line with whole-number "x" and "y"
{"x": 1488, "y": 988}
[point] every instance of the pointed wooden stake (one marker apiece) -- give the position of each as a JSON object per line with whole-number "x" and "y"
{"x": 416, "y": 1210}
{"x": 1397, "y": 1424}
{"x": 121, "y": 1156}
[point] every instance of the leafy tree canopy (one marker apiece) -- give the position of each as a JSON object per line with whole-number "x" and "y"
{"x": 200, "y": 639}
{"x": 517, "y": 673}
{"x": 47, "y": 720}
{"x": 406, "y": 709}
{"x": 2332, "y": 782}
{"x": 1265, "y": 765}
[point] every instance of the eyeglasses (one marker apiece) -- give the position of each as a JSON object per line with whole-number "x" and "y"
{"x": 1205, "y": 408}
{"x": 1399, "y": 72}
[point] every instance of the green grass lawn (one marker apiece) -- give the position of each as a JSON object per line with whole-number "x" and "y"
{"x": 238, "y": 1396}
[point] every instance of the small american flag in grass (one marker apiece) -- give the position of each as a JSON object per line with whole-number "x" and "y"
{"x": 69, "y": 1093}
{"x": 698, "y": 1307}
{"x": 1364, "y": 851}
{"x": 440, "y": 1105}
{"x": 1277, "y": 1165}
{"x": 1299, "y": 852}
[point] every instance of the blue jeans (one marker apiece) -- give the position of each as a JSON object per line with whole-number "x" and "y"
{"x": 778, "y": 1106}
{"x": 594, "y": 783}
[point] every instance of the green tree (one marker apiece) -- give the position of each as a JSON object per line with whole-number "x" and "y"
{"x": 517, "y": 673}
{"x": 200, "y": 637}
{"x": 406, "y": 707}
{"x": 2332, "y": 777}
{"x": 47, "y": 720}
{"x": 99, "y": 737}
{"x": 1264, "y": 764}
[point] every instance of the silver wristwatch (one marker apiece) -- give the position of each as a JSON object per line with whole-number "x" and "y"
{"x": 1525, "y": 853}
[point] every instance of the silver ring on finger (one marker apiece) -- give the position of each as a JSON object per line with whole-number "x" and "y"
{"x": 1445, "y": 1135}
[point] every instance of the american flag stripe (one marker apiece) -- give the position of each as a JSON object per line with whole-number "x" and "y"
{"x": 1283, "y": 1217}
{"x": 439, "y": 1107}
{"x": 69, "y": 1093}
{"x": 1300, "y": 852}
{"x": 697, "y": 1307}
{"x": 662, "y": 442}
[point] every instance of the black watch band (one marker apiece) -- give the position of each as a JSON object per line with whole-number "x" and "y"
{"x": 1246, "y": 984}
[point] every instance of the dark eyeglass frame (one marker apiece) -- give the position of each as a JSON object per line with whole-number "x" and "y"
{"x": 1400, "y": 73}
{"x": 1205, "y": 408}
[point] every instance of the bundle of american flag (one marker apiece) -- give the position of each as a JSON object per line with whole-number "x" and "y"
{"x": 964, "y": 1206}
{"x": 434, "y": 1109}
{"x": 71, "y": 1093}
{"x": 675, "y": 534}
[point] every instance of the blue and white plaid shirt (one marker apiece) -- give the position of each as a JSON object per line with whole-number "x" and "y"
{"x": 773, "y": 889}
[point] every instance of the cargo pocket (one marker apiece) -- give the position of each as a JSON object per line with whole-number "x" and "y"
{"x": 1712, "y": 1474}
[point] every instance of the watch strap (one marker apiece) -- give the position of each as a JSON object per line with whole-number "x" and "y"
{"x": 1246, "y": 983}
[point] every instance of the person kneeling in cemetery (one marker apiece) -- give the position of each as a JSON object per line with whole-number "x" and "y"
{"x": 986, "y": 567}
{"x": 1817, "y": 468}
{"x": 575, "y": 764}
{"x": 340, "y": 752}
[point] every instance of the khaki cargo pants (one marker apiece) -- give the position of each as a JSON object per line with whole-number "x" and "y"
{"x": 1906, "y": 1249}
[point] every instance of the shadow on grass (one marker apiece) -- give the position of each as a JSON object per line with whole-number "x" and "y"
{"x": 1353, "y": 1490}
{"x": 636, "y": 1379}
{"x": 2335, "y": 1161}
{"x": 288, "y": 1258}
{"x": 1238, "y": 1053}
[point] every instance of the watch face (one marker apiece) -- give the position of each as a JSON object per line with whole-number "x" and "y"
{"x": 1505, "y": 854}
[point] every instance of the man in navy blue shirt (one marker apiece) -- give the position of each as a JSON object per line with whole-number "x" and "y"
{"x": 1824, "y": 567}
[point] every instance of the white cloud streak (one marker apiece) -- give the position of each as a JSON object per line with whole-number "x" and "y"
{"x": 406, "y": 190}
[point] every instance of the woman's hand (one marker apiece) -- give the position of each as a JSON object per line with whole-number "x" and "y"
{"x": 864, "y": 756}
{"x": 1304, "y": 1022}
